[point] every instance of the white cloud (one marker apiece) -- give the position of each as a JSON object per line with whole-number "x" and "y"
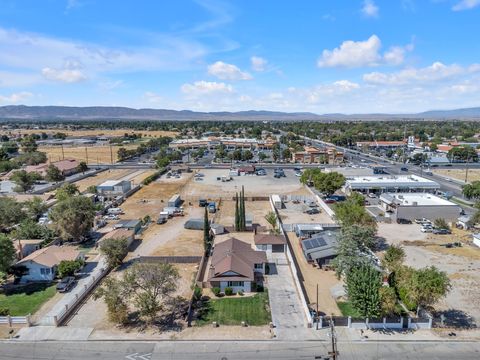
{"x": 352, "y": 54}
{"x": 225, "y": 71}
{"x": 66, "y": 75}
{"x": 435, "y": 72}
{"x": 206, "y": 87}
{"x": 465, "y": 5}
{"x": 369, "y": 8}
{"x": 15, "y": 97}
{"x": 152, "y": 97}
{"x": 258, "y": 63}
{"x": 346, "y": 85}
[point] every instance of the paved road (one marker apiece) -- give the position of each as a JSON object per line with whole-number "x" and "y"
{"x": 230, "y": 350}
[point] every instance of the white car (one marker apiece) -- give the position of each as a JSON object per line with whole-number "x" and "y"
{"x": 426, "y": 229}
{"x": 111, "y": 217}
{"x": 298, "y": 174}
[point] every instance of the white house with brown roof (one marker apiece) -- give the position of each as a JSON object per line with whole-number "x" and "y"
{"x": 42, "y": 264}
{"x": 236, "y": 265}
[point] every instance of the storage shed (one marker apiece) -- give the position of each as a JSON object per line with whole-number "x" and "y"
{"x": 277, "y": 201}
{"x": 175, "y": 201}
{"x": 194, "y": 224}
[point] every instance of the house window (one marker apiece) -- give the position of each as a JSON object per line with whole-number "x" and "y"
{"x": 42, "y": 271}
{"x": 47, "y": 271}
{"x": 259, "y": 266}
{"x": 234, "y": 283}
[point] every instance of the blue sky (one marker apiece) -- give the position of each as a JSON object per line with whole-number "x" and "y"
{"x": 324, "y": 56}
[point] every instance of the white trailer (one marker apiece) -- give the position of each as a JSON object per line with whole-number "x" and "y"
{"x": 277, "y": 201}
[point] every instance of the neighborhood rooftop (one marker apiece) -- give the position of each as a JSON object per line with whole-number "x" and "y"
{"x": 413, "y": 199}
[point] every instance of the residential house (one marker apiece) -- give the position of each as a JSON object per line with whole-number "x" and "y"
{"x": 236, "y": 265}
{"x": 119, "y": 233}
{"x": 321, "y": 248}
{"x": 42, "y": 264}
{"x": 26, "y": 247}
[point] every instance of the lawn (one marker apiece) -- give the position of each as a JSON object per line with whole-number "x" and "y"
{"x": 27, "y": 300}
{"x": 232, "y": 311}
{"x": 347, "y": 309}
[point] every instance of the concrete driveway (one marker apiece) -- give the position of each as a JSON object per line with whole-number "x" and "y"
{"x": 285, "y": 305}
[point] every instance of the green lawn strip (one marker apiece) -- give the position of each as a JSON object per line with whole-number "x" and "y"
{"x": 347, "y": 309}
{"x": 24, "y": 303}
{"x": 232, "y": 311}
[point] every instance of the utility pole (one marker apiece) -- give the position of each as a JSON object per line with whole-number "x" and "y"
{"x": 316, "y": 313}
{"x": 466, "y": 169}
{"x": 334, "y": 353}
{"x": 86, "y": 155}
{"x": 63, "y": 154}
{"x": 111, "y": 155}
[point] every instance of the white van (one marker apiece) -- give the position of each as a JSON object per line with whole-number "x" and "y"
{"x": 115, "y": 211}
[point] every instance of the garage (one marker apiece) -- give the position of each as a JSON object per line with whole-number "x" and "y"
{"x": 270, "y": 243}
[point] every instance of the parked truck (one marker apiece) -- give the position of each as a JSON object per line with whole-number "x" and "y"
{"x": 212, "y": 207}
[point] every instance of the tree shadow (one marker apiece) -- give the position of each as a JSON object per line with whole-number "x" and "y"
{"x": 381, "y": 243}
{"x": 454, "y": 318}
{"x": 26, "y": 289}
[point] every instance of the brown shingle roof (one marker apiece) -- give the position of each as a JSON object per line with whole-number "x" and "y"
{"x": 235, "y": 256}
{"x": 269, "y": 239}
{"x": 118, "y": 234}
{"x": 52, "y": 255}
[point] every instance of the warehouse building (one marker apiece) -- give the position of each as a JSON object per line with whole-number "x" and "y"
{"x": 412, "y": 206}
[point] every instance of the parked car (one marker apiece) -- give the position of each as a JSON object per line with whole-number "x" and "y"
{"x": 422, "y": 221}
{"x": 111, "y": 217}
{"x": 66, "y": 284}
{"x": 329, "y": 201}
{"x": 441, "y": 231}
{"x": 404, "y": 168}
{"x": 312, "y": 211}
{"x": 312, "y": 204}
{"x": 162, "y": 219}
{"x": 403, "y": 221}
{"x": 202, "y": 202}
{"x": 426, "y": 229}
{"x": 298, "y": 174}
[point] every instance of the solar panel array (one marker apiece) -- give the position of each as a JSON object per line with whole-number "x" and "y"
{"x": 314, "y": 243}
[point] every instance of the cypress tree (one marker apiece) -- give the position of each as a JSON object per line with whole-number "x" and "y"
{"x": 243, "y": 211}
{"x": 206, "y": 230}
{"x": 237, "y": 215}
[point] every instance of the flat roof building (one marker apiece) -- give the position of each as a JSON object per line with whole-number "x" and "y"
{"x": 390, "y": 183}
{"x": 419, "y": 205}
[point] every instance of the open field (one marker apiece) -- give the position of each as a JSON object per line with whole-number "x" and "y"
{"x": 95, "y": 154}
{"x": 232, "y": 311}
{"x": 459, "y": 174}
{"x": 93, "y": 132}
{"x": 99, "y": 178}
{"x": 27, "y": 301}
{"x": 258, "y": 209}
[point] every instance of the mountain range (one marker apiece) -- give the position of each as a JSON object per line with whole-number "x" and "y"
{"x": 19, "y": 112}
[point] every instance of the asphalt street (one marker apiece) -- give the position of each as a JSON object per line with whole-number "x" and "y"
{"x": 231, "y": 350}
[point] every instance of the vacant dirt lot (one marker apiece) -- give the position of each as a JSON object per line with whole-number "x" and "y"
{"x": 459, "y": 174}
{"x": 258, "y": 209}
{"x": 115, "y": 174}
{"x": 96, "y": 154}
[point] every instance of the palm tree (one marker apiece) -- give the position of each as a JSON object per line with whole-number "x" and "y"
{"x": 271, "y": 218}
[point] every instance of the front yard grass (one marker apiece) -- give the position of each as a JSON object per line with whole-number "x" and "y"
{"x": 232, "y": 311}
{"x": 347, "y": 309}
{"x": 27, "y": 300}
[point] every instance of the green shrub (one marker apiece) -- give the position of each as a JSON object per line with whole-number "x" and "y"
{"x": 240, "y": 293}
{"x": 259, "y": 288}
{"x": 403, "y": 294}
{"x": 216, "y": 291}
{"x": 197, "y": 293}
{"x": 4, "y": 311}
{"x": 228, "y": 291}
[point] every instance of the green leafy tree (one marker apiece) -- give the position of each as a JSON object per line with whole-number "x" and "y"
{"x": 393, "y": 258}
{"x": 462, "y": 153}
{"x": 115, "y": 250}
{"x": 472, "y": 191}
{"x": 3, "y": 154}
{"x": 237, "y": 155}
{"x": 7, "y": 253}
{"x": 82, "y": 167}
{"x": 362, "y": 286}
{"x": 35, "y": 207}
{"x": 116, "y": 295}
{"x": 30, "y": 158}
{"x": 237, "y": 213}
{"x": 24, "y": 181}
{"x": 69, "y": 267}
{"x": 286, "y": 154}
{"x": 441, "y": 223}
{"x": 73, "y": 217}
{"x": 247, "y": 155}
{"x": 30, "y": 229}
{"x": 54, "y": 174}
{"x": 10, "y": 147}
{"x": 92, "y": 189}
{"x": 122, "y": 154}
{"x": 326, "y": 183}
{"x": 349, "y": 213}
{"x": 388, "y": 300}
{"x": 262, "y": 156}
{"x": 66, "y": 191}
{"x": 206, "y": 231}
{"x": 11, "y": 212}
{"x": 28, "y": 144}
{"x": 152, "y": 285}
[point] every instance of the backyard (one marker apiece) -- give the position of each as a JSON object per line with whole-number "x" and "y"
{"x": 232, "y": 311}
{"x": 27, "y": 300}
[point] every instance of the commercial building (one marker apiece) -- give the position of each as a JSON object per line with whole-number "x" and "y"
{"x": 111, "y": 189}
{"x": 236, "y": 265}
{"x": 230, "y": 143}
{"x": 419, "y": 205}
{"x": 314, "y": 155}
{"x": 390, "y": 183}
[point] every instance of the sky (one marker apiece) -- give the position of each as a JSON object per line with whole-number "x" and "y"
{"x": 343, "y": 56}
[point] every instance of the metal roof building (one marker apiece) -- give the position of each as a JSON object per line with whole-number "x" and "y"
{"x": 390, "y": 183}
{"x": 321, "y": 247}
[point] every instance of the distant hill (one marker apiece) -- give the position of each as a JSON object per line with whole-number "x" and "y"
{"x": 110, "y": 112}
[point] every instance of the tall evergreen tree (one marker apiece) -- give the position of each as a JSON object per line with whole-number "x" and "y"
{"x": 242, "y": 210}
{"x": 206, "y": 230}
{"x": 237, "y": 214}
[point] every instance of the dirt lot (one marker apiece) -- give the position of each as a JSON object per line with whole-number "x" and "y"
{"x": 254, "y": 185}
{"x": 459, "y": 174}
{"x": 314, "y": 276}
{"x": 96, "y": 154}
{"x": 258, "y": 209}
{"x": 461, "y": 264}
{"x": 94, "y": 132}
